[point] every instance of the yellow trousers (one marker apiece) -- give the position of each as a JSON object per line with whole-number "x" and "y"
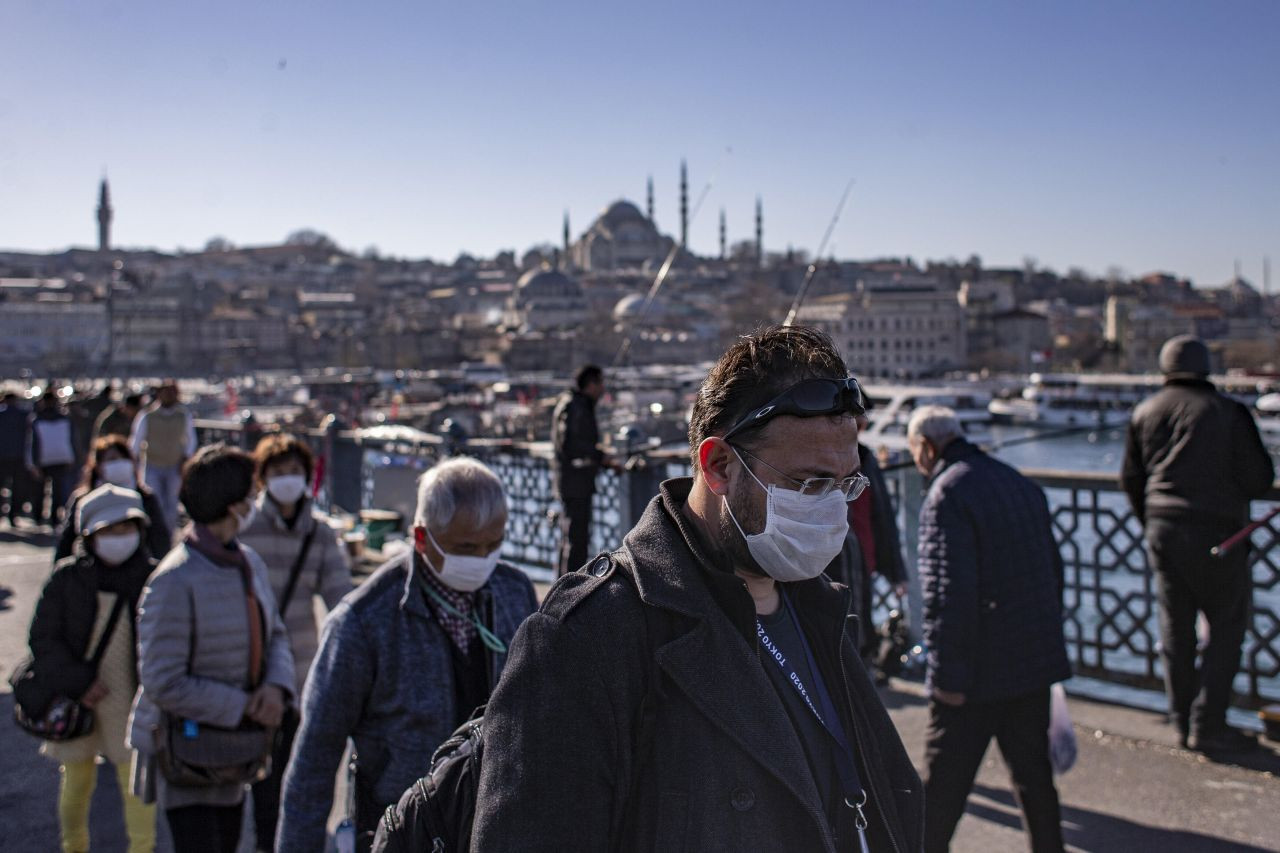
{"x": 78, "y": 781}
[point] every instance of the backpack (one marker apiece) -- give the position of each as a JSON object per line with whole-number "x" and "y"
{"x": 436, "y": 813}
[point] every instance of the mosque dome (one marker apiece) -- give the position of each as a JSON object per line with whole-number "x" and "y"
{"x": 547, "y": 283}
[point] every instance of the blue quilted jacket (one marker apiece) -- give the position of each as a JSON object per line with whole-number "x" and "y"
{"x": 992, "y": 580}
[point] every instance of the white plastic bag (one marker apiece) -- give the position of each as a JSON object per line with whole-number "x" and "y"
{"x": 1062, "y": 738}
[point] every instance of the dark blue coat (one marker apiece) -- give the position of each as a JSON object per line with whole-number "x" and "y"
{"x": 992, "y": 580}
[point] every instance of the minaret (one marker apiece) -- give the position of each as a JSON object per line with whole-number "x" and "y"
{"x": 723, "y": 254}
{"x": 649, "y": 208}
{"x": 759, "y": 233}
{"x": 104, "y": 217}
{"x": 566, "y": 234}
{"x": 1266, "y": 276}
{"x": 684, "y": 206}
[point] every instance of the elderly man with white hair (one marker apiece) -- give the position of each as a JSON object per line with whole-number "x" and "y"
{"x": 992, "y": 581}
{"x": 407, "y": 656}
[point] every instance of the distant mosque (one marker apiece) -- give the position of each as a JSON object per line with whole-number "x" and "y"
{"x": 621, "y": 237}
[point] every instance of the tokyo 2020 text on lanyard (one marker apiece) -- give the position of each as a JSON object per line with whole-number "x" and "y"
{"x": 855, "y": 796}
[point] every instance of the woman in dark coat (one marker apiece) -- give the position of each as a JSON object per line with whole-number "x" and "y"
{"x": 109, "y": 564}
{"x": 111, "y": 461}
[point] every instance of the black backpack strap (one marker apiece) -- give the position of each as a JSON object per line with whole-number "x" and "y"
{"x": 101, "y": 648}
{"x": 296, "y": 571}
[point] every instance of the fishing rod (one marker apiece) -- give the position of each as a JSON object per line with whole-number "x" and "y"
{"x": 1222, "y": 549}
{"x": 813, "y": 266}
{"x": 661, "y": 277}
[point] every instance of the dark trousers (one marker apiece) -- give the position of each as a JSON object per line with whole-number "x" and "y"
{"x": 957, "y": 739}
{"x": 575, "y": 534}
{"x": 1189, "y": 580}
{"x": 13, "y": 477}
{"x": 266, "y": 794}
{"x": 58, "y": 477}
{"x": 206, "y": 829}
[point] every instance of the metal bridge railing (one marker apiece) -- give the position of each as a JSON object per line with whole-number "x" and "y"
{"x": 1110, "y": 613}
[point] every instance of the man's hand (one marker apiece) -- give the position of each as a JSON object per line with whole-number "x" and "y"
{"x": 266, "y": 706}
{"x": 946, "y": 697}
{"x": 95, "y": 694}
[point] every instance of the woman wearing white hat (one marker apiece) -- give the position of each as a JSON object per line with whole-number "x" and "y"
{"x": 89, "y": 604}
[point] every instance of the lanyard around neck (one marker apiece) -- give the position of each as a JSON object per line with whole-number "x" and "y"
{"x": 490, "y": 639}
{"x": 855, "y": 796}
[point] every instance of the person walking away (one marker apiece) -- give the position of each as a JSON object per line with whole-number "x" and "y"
{"x": 51, "y": 456}
{"x": 13, "y": 454}
{"x": 110, "y": 461}
{"x": 992, "y": 579}
{"x": 1193, "y": 460}
{"x": 698, "y": 688}
{"x": 578, "y": 457}
{"x": 117, "y": 419}
{"x": 212, "y": 650}
{"x": 407, "y": 657}
{"x": 164, "y": 436}
{"x": 304, "y": 559}
{"x": 108, "y": 569}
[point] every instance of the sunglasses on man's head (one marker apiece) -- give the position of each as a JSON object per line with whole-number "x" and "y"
{"x": 806, "y": 399}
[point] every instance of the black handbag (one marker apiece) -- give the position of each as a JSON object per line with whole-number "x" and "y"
{"x": 46, "y": 714}
{"x": 199, "y": 755}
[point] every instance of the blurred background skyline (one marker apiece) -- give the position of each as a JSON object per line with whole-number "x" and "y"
{"x": 1087, "y": 134}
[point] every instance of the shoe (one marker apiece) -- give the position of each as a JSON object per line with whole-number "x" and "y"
{"x": 1225, "y": 740}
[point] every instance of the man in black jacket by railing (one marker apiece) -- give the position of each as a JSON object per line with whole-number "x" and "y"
{"x": 699, "y": 688}
{"x": 576, "y": 439}
{"x": 1193, "y": 460}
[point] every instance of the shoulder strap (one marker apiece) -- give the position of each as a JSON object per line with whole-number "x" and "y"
{"x": 296, "y": 571}
{"x": 101, "y": 648}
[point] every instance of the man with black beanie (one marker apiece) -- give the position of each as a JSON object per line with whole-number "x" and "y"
{"x": 1193, "y": 460}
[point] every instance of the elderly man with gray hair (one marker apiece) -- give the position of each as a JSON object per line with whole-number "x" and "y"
{"x": 992, "y": 581}
{"x": 407, "y": 656}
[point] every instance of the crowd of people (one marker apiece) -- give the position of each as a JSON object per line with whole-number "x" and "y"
{"x": 702, "y": 685}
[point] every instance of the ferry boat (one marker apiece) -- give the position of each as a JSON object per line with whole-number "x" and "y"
{"x": 1097, "y": 400}
{"x": 893, "y": 405}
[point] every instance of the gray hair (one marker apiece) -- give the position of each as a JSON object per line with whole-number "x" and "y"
{"x": 938, "y": 424}
{"x": 460, "y": 484}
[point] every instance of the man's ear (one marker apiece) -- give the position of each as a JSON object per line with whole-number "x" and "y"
{"x": 420, "y": 539}
{"x": 714, "y": 455}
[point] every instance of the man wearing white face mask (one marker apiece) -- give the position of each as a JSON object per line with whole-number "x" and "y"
{"x": 700, "y": 688}
{"x": 304, "y": 561}
{"x": 408, "y": 656}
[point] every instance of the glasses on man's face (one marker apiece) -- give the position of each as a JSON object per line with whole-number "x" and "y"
{"x": 851, "y": 487}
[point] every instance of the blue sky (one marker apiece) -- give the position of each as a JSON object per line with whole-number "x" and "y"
{"x": 1141, "y": 135}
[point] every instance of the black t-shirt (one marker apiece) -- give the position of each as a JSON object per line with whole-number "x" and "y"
{"x": 819, "y": 746}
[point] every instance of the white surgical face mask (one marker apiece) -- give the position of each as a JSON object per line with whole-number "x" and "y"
{"x": 243, "y": 521}
{"x": 802, "y": 533}
{"x": 286, "y": 489}
{"x": 119, "y": 472}
{"x": 465, "y": 574}
{"x": 113, "y": 549}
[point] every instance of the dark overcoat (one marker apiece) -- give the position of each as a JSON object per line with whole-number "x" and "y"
{"x": 635, "y": 714}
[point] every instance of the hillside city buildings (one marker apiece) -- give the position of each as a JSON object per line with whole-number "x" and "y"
{"x": 308, "y": 303}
